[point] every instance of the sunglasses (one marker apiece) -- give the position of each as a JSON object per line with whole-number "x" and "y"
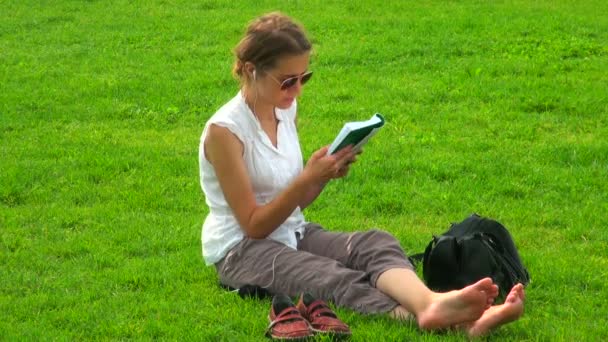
{"x": 290, "y": 82}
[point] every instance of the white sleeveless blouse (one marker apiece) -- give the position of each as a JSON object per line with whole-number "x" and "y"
{"x": 270, "y": 170}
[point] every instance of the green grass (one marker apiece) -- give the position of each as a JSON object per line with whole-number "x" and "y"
{"x": 499, "y": 108}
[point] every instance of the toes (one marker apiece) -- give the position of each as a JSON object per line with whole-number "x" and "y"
{"x": 486, "y": 282}
{"x": 516, "y": 293}
{"x": 511, "y": 298}
{"x": 521, "y": 294}
{"x": 520, "y": 291}
{"x": 487, "y": 285}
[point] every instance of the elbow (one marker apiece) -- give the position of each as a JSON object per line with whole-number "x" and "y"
{"x": 255, "y": 235}
{"x": 257, "y": 226}
{"x": 254, "y": 232}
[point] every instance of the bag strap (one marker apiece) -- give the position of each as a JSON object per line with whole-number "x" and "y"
{"x": 420, "y": 257}
{"x": 519, "y": 273}
{"x": 416, "y": 258}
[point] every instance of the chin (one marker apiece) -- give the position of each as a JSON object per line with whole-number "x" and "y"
{"x": 285, "y": 104}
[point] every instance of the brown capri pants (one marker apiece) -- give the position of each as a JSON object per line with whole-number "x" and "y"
{"x": 338, "y": 267}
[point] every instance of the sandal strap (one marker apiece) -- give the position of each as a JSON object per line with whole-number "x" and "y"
{"x": 320, "y": 308}
{"x": 323, "y": 319}
{"x": 289, "y": 314}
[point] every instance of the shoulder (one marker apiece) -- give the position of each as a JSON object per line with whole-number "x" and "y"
{"x": 223, "y": 139}
{"x": 232, "y": 110}
{"x": 232, "y": 117}
{"x": 221, "y": 142}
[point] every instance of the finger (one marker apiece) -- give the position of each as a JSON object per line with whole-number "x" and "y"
{"x": 343, "y": 152}
{"x": 342, "y": 172}
{"x": 320, "y": 153}
{"x": 353, "y": 158}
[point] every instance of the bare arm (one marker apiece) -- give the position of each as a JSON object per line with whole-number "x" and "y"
{"x": 224, "y": 151}
{"x": 315, "y": 190}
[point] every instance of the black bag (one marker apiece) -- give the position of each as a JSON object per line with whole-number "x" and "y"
{"x": 471, "y": 250}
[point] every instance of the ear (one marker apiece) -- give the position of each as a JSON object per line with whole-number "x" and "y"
{"x": 250, "y": 69}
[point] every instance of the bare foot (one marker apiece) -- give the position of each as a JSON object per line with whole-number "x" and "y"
{"x": 455, "y": 307}
{"x": 511, "y": 310}
{"x": 492, "y": 293}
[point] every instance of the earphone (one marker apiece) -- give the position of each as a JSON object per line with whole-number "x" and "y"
{"x": 254, "y": 74}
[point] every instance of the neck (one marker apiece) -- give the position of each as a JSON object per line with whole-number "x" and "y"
{"x": 262, "y": 110}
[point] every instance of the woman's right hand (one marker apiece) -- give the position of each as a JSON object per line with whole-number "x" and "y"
{"x": 321, "y": 168}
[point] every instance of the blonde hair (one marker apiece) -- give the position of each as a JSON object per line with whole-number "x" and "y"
{"x": 267, "y": 39}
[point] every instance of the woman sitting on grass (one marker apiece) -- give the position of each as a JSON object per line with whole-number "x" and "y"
{"x": 256, "y": 187}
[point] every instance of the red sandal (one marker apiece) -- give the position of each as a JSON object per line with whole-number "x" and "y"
{"x": 322, "y": 319}
{"x": 289, "y": 323}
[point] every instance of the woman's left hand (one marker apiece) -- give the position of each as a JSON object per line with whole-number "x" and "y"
{"x": 344, "y": 169}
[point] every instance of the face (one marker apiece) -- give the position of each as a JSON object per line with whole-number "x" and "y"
{"x": 269, "y": 83}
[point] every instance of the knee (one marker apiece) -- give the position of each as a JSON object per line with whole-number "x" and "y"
{"x": 378, "y": 242}
{"x": 380, "y": 237}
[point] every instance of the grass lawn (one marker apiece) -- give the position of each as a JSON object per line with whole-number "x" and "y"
{"x": 496, "y": 107}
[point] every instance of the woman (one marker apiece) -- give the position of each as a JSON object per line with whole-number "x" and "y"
{"x": 256, "y": 187}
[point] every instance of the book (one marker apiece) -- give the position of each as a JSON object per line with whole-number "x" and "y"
{"x": 356, "y": 133}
